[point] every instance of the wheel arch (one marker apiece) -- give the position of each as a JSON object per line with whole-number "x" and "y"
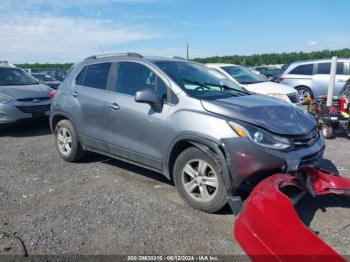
{"x": 304, "y": 86}
{"x": 204, "y": 145}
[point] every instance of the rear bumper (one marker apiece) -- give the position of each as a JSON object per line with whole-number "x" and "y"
{"x": 278, "y": 232}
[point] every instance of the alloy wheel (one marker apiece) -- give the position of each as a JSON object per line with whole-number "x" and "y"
{"x": 200, "y": 180}
{"x": 64, "y": 141}
{"x": 304, "y": 94}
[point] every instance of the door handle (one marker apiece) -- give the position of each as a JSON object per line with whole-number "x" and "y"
{"x": 75, "y": 93}
{"x": 114, "y": 106}
{"x": 341, "y": 81}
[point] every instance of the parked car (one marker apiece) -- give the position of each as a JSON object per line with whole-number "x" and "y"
{"x": 311, "y": 78}
{"x": 21, "y": 96}
{"x": 256, "y": 83}
{"x": 271, "y": 72}
{"x": 175, "y": 117}
{"x": 47, "y": 80}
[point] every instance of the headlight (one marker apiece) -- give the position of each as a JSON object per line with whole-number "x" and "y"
{"x": 261, "y": 137}
{"x": 280, "y": 96}
{"x": 4, "y": 99}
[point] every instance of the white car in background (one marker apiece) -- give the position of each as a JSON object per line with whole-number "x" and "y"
{"x": 257, "y": 83}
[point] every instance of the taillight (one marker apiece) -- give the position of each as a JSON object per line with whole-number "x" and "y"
{"x": 343, "y": 104}
{"x": 52, "y": 95}
{"x": 281, "y": 79}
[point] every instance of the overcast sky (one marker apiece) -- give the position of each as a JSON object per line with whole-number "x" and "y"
{"x": 68, "y": 31}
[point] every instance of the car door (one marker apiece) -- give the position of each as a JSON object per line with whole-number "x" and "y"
{"x": 91, "y": 95}
{"x": 322, "y": 76}
{"x": 135, "y": 131}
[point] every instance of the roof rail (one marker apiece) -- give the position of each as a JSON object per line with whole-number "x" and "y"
{"x": 131, "y": 54}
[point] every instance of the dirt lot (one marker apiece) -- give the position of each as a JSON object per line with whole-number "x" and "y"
{"x": 104, "y": 206}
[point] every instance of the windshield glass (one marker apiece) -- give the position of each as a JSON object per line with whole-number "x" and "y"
{"x": 49, "y": 78}
{"x": 244, "y": 75}
{"x": 199, "y": 81}
{"x": 15, "y": 76}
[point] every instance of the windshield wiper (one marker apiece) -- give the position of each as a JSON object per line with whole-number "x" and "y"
{"x": 196, "y": 83}
{"x": 226, "y": 87}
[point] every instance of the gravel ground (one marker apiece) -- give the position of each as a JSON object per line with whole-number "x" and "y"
{"x": 104, "y": 206}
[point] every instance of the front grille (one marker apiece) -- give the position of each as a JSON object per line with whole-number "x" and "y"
{"x": 34, "y": 109}
{"x": 310, "y": 159}
{"x": 307, "y": 140}
{"x": 294, "y": 98}
{"x": 37, "y": 99}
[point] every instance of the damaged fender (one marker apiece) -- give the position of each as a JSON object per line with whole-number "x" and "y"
{"x": 269, "y": 225}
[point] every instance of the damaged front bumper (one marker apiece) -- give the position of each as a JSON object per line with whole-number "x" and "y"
{"x": 268, "y": 226}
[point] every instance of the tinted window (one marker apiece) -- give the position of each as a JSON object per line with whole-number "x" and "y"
{"x": 97, "y": 75}
{"x": 340, "y": 68}
{"x": 133, "y": 77}
{"x": 80, "y": 78}
{"x": 39, "y": 77}
{"x": 325, "y": 68}
{"x": 303, "y": 70}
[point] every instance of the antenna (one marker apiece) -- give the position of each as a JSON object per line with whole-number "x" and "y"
{"x": 102, "y": 51}
{"x": 187, "y": 49}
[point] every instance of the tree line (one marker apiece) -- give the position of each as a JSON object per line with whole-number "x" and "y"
{"x": 46, "y": 66}
{"x": 275, "y": 58}
{"x": 246, "y": 60}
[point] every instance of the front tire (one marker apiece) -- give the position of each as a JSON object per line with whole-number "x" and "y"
{"x": 305, "y": 94}
{"x": 67, "y": 141}
{"x": 198, "y": 180}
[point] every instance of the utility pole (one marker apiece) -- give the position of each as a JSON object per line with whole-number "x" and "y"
{"x": 188, "y": 46}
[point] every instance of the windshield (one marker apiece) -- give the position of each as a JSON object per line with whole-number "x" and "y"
{"x": 15, "y": 76}
{"x": 49, "y": 78}
{"x": 244, "y": 75}
{"x": 200, "y": 81}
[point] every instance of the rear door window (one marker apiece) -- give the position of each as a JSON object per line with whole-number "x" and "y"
{"x": 324, "y": 68}
{"x": 97, "y": 76}
{"x": 303, "y": 70}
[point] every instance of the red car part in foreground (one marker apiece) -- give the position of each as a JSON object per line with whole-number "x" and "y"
{"x": 268, "y": 226}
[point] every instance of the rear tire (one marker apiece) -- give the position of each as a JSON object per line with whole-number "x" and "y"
{"x": 327, "y": 131}
{"x": 198, "y": 180}
{"x": 67, "y": 141}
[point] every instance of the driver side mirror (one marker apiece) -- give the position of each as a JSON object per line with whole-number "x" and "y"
{"x": 148, "y": 96}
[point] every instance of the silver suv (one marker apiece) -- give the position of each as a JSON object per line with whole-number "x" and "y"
{"x": 311, "y": 78}
{"x": 21, "y": 96}
{"x": 175, "y": 117}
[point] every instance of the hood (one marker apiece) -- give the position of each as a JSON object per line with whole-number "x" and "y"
{"x": 26, "y": 91}
{"x": 270, "y": 87}
{"x": 269, "y": 113}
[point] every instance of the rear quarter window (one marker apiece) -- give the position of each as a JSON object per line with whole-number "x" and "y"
{"x": 325, "y": 68}
{"x": 303, "y": 70}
